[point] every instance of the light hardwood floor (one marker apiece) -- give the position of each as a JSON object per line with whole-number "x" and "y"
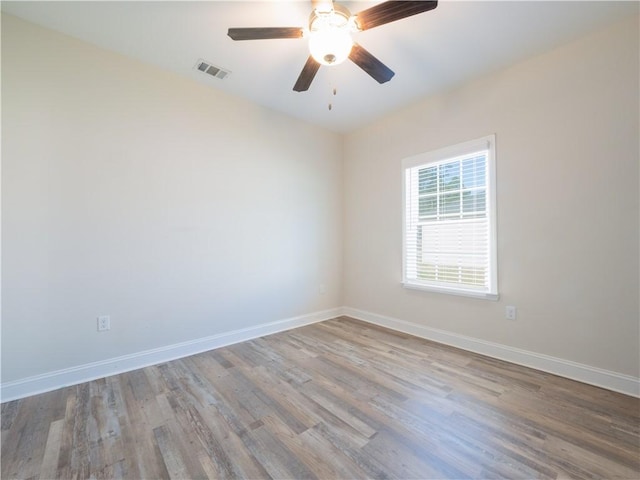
{"x": 338, "y": 399}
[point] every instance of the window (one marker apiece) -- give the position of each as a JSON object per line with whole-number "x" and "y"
{"x": 449, "y": 220}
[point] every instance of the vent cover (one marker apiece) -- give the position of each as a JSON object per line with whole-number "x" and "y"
{"x": 208, "y": 68}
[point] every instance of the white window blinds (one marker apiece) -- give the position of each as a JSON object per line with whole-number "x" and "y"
{"x": 449, "y": 222}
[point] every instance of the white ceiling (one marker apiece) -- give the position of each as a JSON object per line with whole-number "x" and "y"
{"x": 429, "y": 52}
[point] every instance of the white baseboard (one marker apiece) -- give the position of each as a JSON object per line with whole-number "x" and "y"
{"x": 565, "y": 368}
{"x": 113, "y": 366}
{"x": 72, "y": 376}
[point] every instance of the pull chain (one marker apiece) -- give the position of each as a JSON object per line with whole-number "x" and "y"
{"x": 335, "y": 91}
{"x": 332, "y": 88}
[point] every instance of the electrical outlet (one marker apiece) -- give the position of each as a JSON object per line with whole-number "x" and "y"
{"x": 104, "y": 323}
{"x": 510, "y": 312}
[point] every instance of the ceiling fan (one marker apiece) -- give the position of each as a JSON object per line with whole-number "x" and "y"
{"x": 330, "y": 28}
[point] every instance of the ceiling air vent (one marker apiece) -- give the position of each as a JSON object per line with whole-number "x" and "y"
{"x": 206, "y": 67}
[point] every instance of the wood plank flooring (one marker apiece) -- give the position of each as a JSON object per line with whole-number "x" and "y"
{"x": 338, "y": 399}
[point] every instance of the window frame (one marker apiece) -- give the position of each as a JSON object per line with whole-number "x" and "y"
{"x": 441, "y": 155}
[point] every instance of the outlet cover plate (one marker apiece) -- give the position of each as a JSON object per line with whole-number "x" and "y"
{"x": 104, "y": 323}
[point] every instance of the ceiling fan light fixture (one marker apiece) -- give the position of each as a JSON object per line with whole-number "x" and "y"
{"x": 330, "y": 47}
{"x": 330, "y": 39}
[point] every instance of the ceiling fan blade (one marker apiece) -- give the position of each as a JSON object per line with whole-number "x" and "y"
{"x": 307, "y": 75}
{"x": 370, "y": 64}
{"x": 391, "y": 11}
{"x": 264, "y": 33}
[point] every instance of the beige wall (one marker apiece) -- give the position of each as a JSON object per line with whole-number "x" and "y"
{"x": 567, "y": 165}
{"x": 184, "y": 212}
{"x": 180, "y": 211}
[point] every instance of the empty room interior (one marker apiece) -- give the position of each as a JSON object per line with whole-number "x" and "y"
{"x": 314, "y": 239}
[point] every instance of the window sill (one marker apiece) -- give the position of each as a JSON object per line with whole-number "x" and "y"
{"x": 452, "y": 291}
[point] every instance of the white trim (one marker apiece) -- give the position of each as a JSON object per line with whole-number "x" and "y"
{"x": 450, "y": 152}
{"x": 451, "y": 291}
{"x": 410, "y": 214}
{"x": 113, "y": 366}
{"x": 72, "y": 376}
{"x": 565, "y": 368}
